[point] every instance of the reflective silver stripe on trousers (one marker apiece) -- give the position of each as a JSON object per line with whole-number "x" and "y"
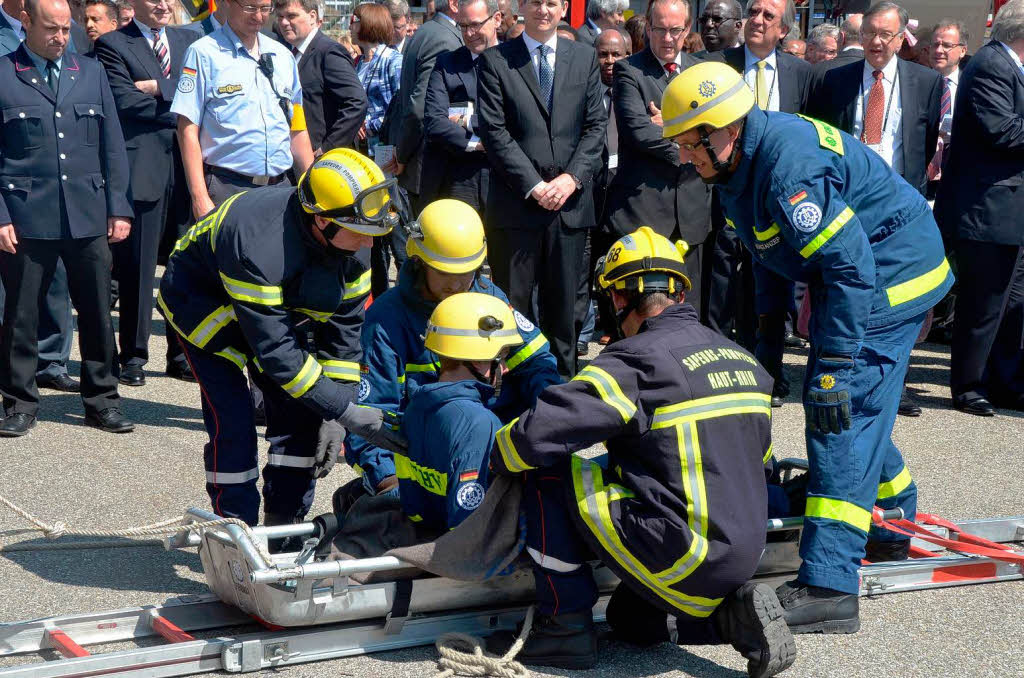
{"x": 290, "y": 461}
{"x": 222, "y": 478}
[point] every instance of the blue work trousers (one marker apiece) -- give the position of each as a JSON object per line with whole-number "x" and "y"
{"x": 230, "y": 456}
{"x": 861, "y": 467}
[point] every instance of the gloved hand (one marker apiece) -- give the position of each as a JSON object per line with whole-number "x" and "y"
{"x": 368, "y": 423}
{"x": 328, "y": 447}
{"x": 827, "y": 402}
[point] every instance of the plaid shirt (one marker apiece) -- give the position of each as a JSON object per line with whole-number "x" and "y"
{"x": 380, "y": 78}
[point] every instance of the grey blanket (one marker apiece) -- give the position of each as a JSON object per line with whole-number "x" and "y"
{"x": 485, "y": 544}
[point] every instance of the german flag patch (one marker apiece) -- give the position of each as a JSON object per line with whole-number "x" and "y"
{"x": 797, "y": 197}
{"x": 188, "y": 71}
{"x": 467, "y": 476}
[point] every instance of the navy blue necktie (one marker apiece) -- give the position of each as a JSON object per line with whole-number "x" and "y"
{"x": 546, "y": 76}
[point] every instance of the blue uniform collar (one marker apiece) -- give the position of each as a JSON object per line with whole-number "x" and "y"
{"x": 753, "y": 130}
{"x": 467, "y": 389}
{"x": 235, "y": 43}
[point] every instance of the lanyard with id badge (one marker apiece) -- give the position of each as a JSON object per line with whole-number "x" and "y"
{"x": 885, "y": 151}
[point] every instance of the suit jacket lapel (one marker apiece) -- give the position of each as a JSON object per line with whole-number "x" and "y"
{"x": 906, "y": 97}
{"x": 563, "y": 63}
{"x": 27, "y": 72}
{"x": 736, "y": 57}
{"x": 69, "y": 73}
{"x": 525, "y": 68}
{"x": 789, "y": 97}
{"x": 1013, "y": 64}
{"x": 143, "y": 49}
{"x": 467, "y": 75}
{"x": 443, "y": 20}
{"x": 851, "y": 92}
{"x": 653, "y": 68}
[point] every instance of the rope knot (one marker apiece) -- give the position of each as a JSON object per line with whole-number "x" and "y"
{"x": 55, "y": 531}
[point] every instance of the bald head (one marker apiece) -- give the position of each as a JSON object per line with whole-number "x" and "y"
{"x": 849, "y": 31}
{"x": 611, "y": 45}
{"x": 47, "y": 27}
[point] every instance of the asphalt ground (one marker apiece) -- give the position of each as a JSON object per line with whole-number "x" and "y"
{"x": 965, "y": 467}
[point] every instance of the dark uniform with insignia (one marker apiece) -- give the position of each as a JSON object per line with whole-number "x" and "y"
{"x": 678, "y": 511}
{"x": 242, "y": 288}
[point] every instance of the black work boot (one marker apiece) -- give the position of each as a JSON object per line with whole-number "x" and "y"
{"x": 812, "y": 609}
{"x": 886, "y": 551}
{"x": 565, "y": 641}
{"x": 751, "y": 620}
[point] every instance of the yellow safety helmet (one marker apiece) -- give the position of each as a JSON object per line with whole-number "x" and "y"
{"x": 646, "y": 262}
{"x": 471, "y": 326}
{"x": 348, "y": 189}
{"x": 708, "y": 93}
{"x": 448, "y": 237}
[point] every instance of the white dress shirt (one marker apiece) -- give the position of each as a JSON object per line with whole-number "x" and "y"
{"x": 891, "y": 148}
{"x": 953, "y": 81}
{"x": 771, "y": 76}
{"x": 15, "y": 24}
{"x": 304, "y": 45}
{"x": 679, "y": 61}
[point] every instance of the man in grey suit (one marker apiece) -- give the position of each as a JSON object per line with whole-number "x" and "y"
{"x": 438, "y": 35}
{"x": 601, "y": 15}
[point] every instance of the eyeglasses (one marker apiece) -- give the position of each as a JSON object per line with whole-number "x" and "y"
{"x": 885, "y": 36}
{"x": 675, "y": 31}
{"x": 715, "y": 20}
{"x": 256, "y": 9}
{"x": 475, "y": 26}
{"x": 947, "y": 45}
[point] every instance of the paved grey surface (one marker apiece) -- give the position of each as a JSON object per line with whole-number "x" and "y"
{"x": 965, "y": 467}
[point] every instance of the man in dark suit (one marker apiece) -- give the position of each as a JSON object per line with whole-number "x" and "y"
{"x": 333, "y": 100}
{"x": 651, "y": 187}
{"x": 543, "y": 123}
{"x": 455, "y": 165}
{"x": 143, "y": 63}
{"x": 979, "y": 205}
{"x": 399, "y": 11}
{"x": 64, "y": 178}
{"x": 897, "y": 112}
{"x": 601, "y": 15}
{"x": 434, "y": 38}
{"x": 850, "y": 49}
{"x": 721, "y": 25}
{"x": 780, "y": 82}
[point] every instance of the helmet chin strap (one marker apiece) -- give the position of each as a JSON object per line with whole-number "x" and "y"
{"x": 722, "y": 169}
{"x": 495, "y": 378}
{"x": 328, "y": 232}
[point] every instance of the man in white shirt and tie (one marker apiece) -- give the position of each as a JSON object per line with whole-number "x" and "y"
{"x": 949, "y": 46}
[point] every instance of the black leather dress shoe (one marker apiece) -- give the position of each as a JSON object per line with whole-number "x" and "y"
{"x": 793, "y": 341}
{"x": 581, "y": 349}
{"x": 110, "y": 420}
{"x": 908, "y": 408}
{"x": 979, "y": 406}
{"x": 132, "y": 375}
{"x": 62, "y": 382}
{"x": 16, "y": 425}
{"x": 777, "y": 401}
{"x": 184, "y": 373}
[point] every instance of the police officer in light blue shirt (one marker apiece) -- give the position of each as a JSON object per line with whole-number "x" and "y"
{"x": 239, "y": 106}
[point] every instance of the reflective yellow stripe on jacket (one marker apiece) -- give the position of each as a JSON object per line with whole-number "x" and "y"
{"x": 340, "y": 370}
{"x": 358, "y": 287}
{"x": 509, "y": 455}
{"x": 526, "y": 352}
{"x": 304, "y": 380}
{"x": 429, "y": 479}
{"x": 608, "y": 390}
{"x": 825, "y": 235}
{"x": 919, "y": 286}
{"x": 266, "y": 295}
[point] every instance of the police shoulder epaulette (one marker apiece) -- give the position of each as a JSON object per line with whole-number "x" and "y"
{"x": 828, "y": 136}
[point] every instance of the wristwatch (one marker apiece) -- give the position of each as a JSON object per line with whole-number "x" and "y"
{"x": 576, "y": 180}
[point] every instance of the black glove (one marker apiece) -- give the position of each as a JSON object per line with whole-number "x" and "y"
{"x": 328, "y": 447}
{"x": 827, "y": 402}
{"x": 368, "y": 423}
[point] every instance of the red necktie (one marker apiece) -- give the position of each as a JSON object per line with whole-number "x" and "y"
{"x": 872, "y": 133}
{"x": 671, "y": 67}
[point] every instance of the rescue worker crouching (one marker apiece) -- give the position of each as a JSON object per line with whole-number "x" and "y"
{"x": 816, "y": 205}
{"x": 446, "y": 249}
{"x": 679, "y": 510}
{"x": 443, "y": 476}
{"x": 239, "y": 289}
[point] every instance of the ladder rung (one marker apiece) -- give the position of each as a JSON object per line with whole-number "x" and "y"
{"x": 168, "y": 630}
{"x": 62, "y": 643}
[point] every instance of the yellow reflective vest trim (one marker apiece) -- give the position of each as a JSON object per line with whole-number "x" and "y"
{"x": 429, "y": 479}
{"x": 509, "y": 455}
{"x": 304, "y": 380}
{"x": 265, "y": 295}
{"x": 608, "y": 390}
{"x": 919, "y": 286}
{"x": 358, "y": 287}
{"x": 525, "y": 353}
{"x": 896, "y": 485}
{"x": 341, "y": 370}
{"x": 838, "y": 510}
{"x": 826, "y": 235}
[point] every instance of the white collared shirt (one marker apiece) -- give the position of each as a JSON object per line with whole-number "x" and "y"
{"x": 679, "y": 61}
{"x": 595, "y": 27}
{"x": 771, "y": 76}
{"x": 304, "y": 45}
{"x": 953, "y": 80}
{"x": 891, "y": 147}
{"x": 15, "y": 24}
{"x": 147, "y": 32}
{"x": 531, "y": 47}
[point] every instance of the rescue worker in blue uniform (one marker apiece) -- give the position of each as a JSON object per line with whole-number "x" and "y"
{"x": 446, "y": 249}
{"x": 679, "y": 510}
{"x": 443, "y": 476}
{"x": 242, "y": 288}
{"x": 815, "y": 205}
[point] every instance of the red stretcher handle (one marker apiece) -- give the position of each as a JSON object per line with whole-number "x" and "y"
{"x": 907, "y": 528}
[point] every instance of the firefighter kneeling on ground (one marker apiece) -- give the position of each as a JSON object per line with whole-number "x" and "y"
{"x": 444, "y": 475}
{"x": 679, "y": 510}
{"x": 446, "y": 249}
{"x": 242, "y": 288}
{"x": 816, "y": 205}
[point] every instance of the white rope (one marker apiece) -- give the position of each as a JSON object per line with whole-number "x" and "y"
{"x": 463, "y": 655}
{"x": 162, "y": 528}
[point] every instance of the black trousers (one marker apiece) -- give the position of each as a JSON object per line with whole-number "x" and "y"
{"x": 135, "y": 260}
{"x": 545, "y": 264}
{"x": 730, "y": 299}
{"x": 27, "y": 275}
{"x": 988, "y": 333}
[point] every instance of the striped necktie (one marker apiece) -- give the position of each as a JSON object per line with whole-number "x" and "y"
{"x": 162, "y": 55}
{"x": 942, "y": 149}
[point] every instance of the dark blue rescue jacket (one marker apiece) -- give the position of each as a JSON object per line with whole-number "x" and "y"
{"x": 396, "y": 364}
{"x": 816, "y": 205}
{"x": 248, "y": 283}
{"x": 443, "y": 476}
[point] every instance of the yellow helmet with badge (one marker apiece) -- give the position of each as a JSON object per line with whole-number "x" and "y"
{"x": 646, "y": 262}
{"x": 448, "y": 237}
{"x": 349, "y": 190}
{"x": 709, "y": 93}
{"x": 471, "y": 326}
